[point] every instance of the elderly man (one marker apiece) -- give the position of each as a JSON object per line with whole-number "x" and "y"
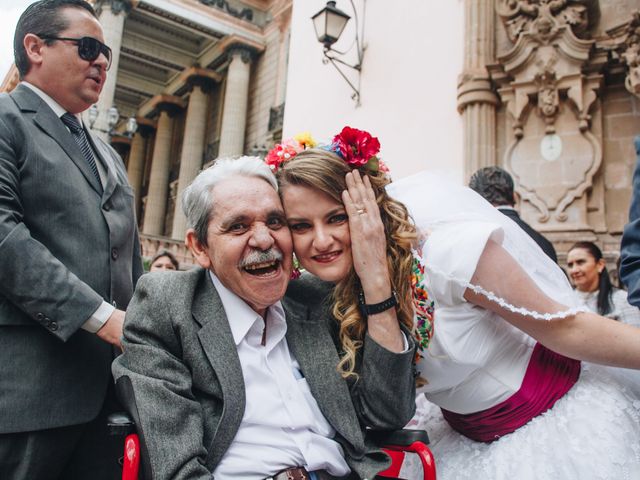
{"x": 69, "y": 252}
{"x": 229, "y": 380}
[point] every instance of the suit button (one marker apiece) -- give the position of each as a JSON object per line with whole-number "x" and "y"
{"x": 47, "y": 322}
{"x": 54, "y": 326}
{"x": 40, "y": 316}
{"x": 114, "y": 253}
{"x": 106, "y": 207}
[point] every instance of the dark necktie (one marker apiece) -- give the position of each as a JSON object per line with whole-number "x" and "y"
{"x": 80, "y": 137}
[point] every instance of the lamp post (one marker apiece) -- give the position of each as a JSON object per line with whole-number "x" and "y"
{"x": 329, "y": 23}
{"x": 113, "y": 116}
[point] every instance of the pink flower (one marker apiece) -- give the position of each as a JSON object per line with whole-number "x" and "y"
{"x": 281, "y": 153}
{"x": 356, "y": 146}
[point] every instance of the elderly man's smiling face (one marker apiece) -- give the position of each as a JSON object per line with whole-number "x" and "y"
{"x": 249, "y": 245}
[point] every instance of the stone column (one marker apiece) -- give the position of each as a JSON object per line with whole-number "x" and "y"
{"x": 156, "y": 206}
{"x": 234, "y": 111}
{"x": 192, "y": 148}
{"x": 476, "y": 98}
{"x": 112, "y": 14}
{"x": 137, "y": 155}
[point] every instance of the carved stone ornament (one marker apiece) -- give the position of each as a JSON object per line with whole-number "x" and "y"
{"x": 549, "y": 100}
{"x": 630, "y": 54}
{"x": 117, "y": 6}
{"x": 245, "y": 13}
{"x": 246, "y": 53}
{"x": 541, "y": 16}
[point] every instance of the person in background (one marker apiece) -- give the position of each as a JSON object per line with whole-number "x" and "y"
{"x": 69, "y": 252}
{"x": 163, "y": 260}
{"x": 496, "y": 186}
{"x": 589, "y": 275}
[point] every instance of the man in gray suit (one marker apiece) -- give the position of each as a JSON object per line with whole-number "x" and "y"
{"x": 223, "y": 378}
{"x": 69, "y": 252}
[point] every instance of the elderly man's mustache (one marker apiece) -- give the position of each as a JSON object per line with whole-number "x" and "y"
{"x": 261, "y": 262}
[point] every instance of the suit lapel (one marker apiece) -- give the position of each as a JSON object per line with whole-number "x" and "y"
{"x": 49, "y": 123}
{"x": 311, "y": 344}
{"x": 217, "y": 341}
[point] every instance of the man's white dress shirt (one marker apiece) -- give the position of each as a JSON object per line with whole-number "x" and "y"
{"x": 282, "y": 425}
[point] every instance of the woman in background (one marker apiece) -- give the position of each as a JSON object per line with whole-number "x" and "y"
{"x": 589, "y": 275}
{"x": 163, "y": 260}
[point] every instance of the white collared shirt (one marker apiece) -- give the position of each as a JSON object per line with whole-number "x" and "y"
{"x": 282, "y": 425}
{"x": 105, "y": 310}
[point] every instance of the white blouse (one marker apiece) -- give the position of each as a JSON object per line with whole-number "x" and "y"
{"x": 475, "y": 359}
{"x": 621, "y": 309}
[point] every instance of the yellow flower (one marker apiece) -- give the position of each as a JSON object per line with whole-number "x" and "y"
{"x": 305, "y": 139}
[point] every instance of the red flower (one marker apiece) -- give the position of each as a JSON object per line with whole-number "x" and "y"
{"x": 281, "y": 153}
{"x": 356, "y": 146}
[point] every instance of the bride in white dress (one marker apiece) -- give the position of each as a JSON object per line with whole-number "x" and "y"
{"x": 476, "y": 359}
{"x": 514, "y": 408}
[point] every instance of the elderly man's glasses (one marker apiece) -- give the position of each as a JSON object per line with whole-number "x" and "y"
{"x": 89, "y": 48}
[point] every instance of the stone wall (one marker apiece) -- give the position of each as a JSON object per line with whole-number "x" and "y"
{"x": 560, "y": 72}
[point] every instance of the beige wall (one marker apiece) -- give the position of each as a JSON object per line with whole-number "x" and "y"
{"x": 413, "y": 56}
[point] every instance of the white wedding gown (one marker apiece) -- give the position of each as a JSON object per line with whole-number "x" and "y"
{"x": 477, "y": 360}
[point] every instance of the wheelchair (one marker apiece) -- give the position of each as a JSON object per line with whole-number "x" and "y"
{"x": 395, "y": 443}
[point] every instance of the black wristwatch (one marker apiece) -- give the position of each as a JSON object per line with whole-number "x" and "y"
{"x": 383, "y": 306}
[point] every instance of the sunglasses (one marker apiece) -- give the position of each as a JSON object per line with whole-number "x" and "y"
{"x": 89, "y": 48}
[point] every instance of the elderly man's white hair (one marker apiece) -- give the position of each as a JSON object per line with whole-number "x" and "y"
{"x": 197, "y": 199}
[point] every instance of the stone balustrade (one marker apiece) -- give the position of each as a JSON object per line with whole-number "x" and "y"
{"x": 152, "y": 244}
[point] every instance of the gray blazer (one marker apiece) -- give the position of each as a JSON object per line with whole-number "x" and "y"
{"x": 64, "y": 248}
{"x": 182, "y": 364}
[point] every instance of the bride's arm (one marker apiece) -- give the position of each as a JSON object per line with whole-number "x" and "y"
{"x": 583, "y": 336}
{"x": 369, "y": 252}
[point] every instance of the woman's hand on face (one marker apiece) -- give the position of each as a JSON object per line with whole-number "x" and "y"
{"x": 368, "y": 241}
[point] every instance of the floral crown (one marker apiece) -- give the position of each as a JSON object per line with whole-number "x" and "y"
{"x": 356, "y": 147}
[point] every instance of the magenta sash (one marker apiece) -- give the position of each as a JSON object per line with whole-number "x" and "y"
{"x": 548, "y": 377}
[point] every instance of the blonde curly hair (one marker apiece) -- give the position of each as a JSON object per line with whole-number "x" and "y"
{"x": 325, "y": 171}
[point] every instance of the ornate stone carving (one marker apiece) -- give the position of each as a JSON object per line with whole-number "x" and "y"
{"x": 630, "y": 54}
{"x": 548, "y": 98}
{"x": 542, "y": 17}
{"x": 246, "y": 53}
{"x": 245, "y": 13}
{"x": 545, "y": 92}
{"x": 117, "y": 6}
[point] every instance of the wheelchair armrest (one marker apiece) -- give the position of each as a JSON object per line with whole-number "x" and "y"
{"x": 120, "y": 424}
{"x": 400, "y": 438}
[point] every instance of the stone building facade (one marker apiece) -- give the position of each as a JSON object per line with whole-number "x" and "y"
{"x": 551, "y": 91}
{"x": 204, "y": 79}
{"x": 548, "y": 89}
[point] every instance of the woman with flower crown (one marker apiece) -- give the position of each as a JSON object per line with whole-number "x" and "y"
{"x": 506, "y": 355}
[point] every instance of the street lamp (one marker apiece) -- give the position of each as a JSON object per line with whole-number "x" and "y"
{"x": 112, "y": 120}
{"x": 329, "y": 23}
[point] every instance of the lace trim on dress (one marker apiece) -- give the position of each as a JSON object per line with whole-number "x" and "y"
{"x": 499, "y": 300}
